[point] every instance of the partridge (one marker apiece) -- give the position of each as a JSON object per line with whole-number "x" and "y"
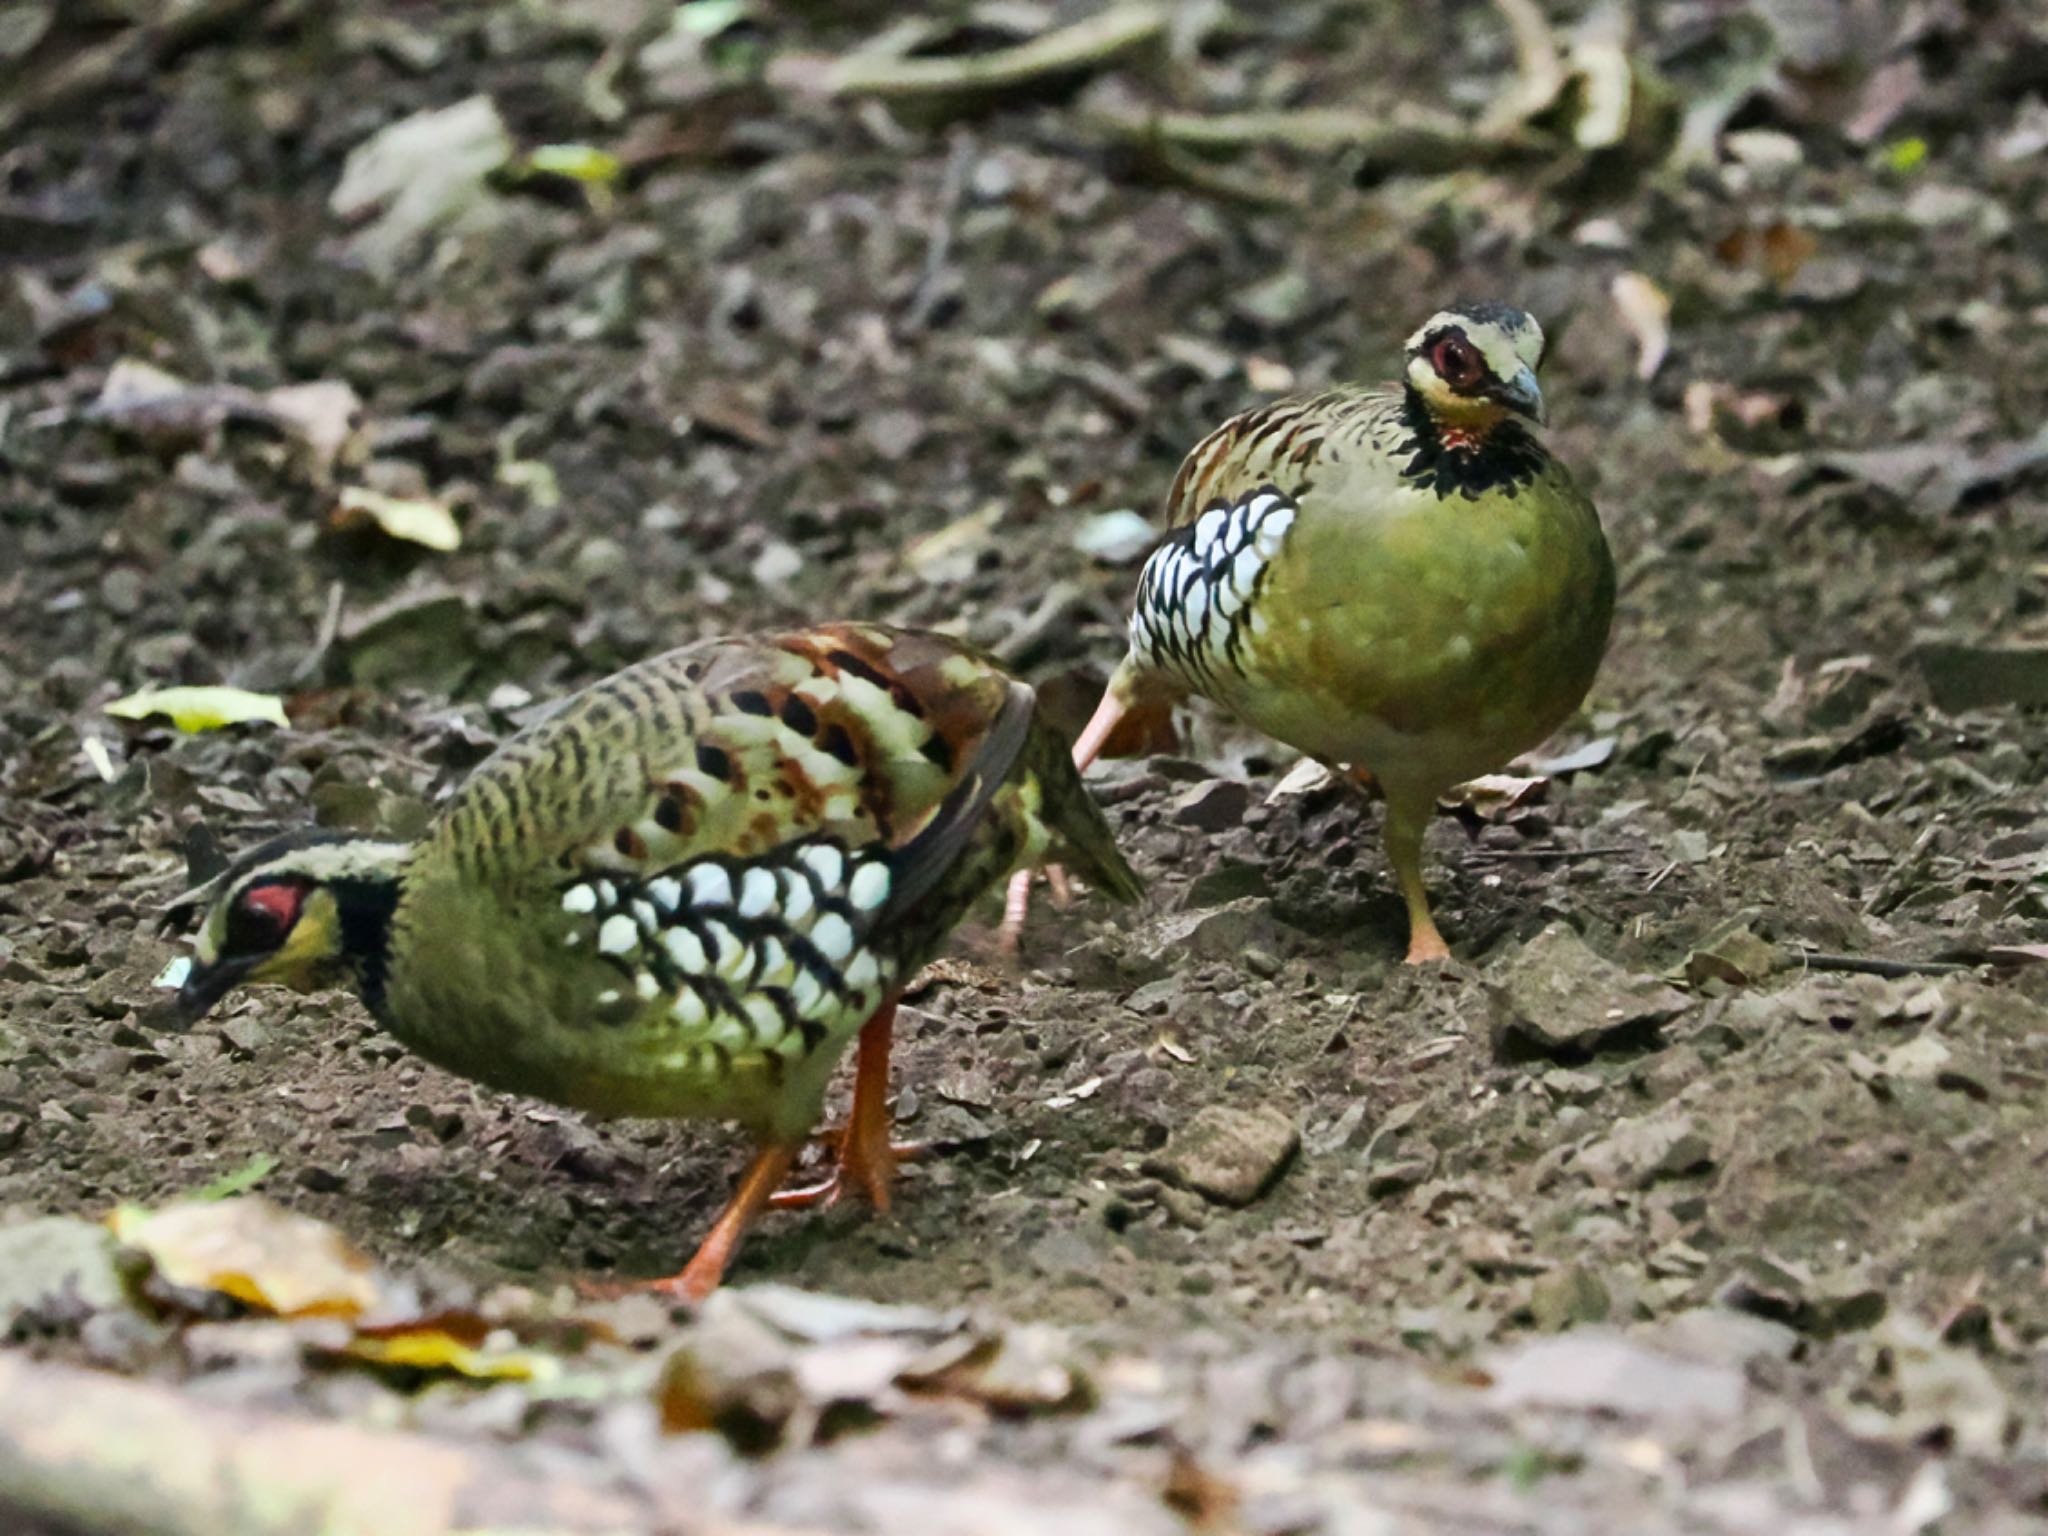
{"x": 685, "y": 891}
{"x": 1401, "y": 581}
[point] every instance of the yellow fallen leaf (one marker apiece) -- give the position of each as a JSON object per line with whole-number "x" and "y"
{"x": 430, "y": 1349}
{"x": 201, "y": 709}
{"x": 414, "y": 519}
{"x": 575, "y": 162}
{"x": 254, "y": 1251}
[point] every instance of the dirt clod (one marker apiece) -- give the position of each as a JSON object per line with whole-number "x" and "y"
{"x": 1559, "y": 999}
{"x": 1226, "y": 1154}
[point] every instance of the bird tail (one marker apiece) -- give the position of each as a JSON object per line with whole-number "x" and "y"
{"x": 1082, "y": 840}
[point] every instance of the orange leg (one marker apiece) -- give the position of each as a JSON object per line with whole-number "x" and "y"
{"x": 867, "y": 1157}
{"x": 700, "y": 1277}
{"x": 1407, "y": 820}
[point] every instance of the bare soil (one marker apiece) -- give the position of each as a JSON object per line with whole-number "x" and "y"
{"x": 811, "y": 359}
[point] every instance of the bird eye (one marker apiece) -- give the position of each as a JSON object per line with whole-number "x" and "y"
{"x": 1457, "y": 362}
{"x": 263, "y": 914}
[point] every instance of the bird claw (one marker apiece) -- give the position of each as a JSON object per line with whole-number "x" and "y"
{"x": 871, "y": 1172}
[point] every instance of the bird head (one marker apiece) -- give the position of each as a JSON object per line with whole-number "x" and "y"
{"x": 1473, "y": 364}
{"x": 305, "y": 910}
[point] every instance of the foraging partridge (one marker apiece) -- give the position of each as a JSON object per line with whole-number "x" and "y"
{"x": 685, "y": 891}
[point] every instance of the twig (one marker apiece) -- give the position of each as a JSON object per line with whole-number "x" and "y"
{"x": 1868, "y": 965}
{"x": 330, "y": 627}
{"x": 1549, "y": 853}
{"x": 931, "y": 284}
{"x": 1423, "y": 145}
{"x": 1085, "y": 45}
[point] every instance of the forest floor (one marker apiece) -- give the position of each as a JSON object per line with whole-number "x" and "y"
{"x": 1701, "y": 1191}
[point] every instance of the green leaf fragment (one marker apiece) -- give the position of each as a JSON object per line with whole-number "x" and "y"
{"x": 1905, "y": 155}
{"x": 413, "y": 519}
{"x": 238, "y": 1181}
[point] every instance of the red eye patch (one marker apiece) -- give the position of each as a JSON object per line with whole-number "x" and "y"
{"x": 1457, "y": 362}
{"x": 264, "y": 915}
{"x": 280, "y": 903}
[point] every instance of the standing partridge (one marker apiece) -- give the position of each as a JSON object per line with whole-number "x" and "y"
{"x": 1399, "y": 580}
{"x": 686, "y": 890}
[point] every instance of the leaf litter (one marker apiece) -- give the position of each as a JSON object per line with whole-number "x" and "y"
{"x": 797, "y": 338}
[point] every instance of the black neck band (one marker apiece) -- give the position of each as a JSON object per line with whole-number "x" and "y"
{"x": 1505, "y": 459}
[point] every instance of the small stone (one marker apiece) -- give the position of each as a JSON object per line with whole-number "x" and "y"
{"x": 1398, "y": 1176}
{"x": 601, "y": 559}
{"x": 1228, "y": 1155}
{"x": 1979, "y": 676}
{"x": 244, "y": 1033}
{"x": 1559, "y": 999}
{"x": 777, "y": 564}
{"x": 56, "y": 1262}
{"x": 1642, "y": 1150}
{"x": 1789, "y": 1293}
{"x": 121, "y": 591}
{"x": 1568, "y": 1296}
{"x": 1572, "y": 1087}
{"x": 1155, "y": 997}
{"x": 1737, "y": 957}
{"x": 1231, "y": 880}
{"x": 1216, "y": 806}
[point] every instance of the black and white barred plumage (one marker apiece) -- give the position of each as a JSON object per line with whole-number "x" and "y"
{"x": 1197, "y": 596}
{"x": 747, "y": 954}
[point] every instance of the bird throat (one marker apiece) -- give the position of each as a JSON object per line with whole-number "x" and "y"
{"x": 1467, "y": 459}
{"x": 366, "y": 905}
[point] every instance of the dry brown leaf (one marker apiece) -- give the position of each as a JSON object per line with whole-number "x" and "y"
{"x": 1646, "y": 310}
{"x": 259, "y": 1253}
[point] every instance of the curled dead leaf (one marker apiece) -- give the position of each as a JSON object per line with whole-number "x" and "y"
{"x": 254, "y": 1251}
{"x": 1646, "y": 310}
{"x": 416, "y": 520}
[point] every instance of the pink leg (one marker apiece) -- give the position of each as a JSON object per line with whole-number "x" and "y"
{"x": 1017, "y": 900}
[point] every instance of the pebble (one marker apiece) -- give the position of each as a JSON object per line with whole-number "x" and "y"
{"x": 1216, "y": 806}
{"x": 1643, "y": 1149}
{"x": 52, "y": 1260}
{"x": 121, "y": 590}
{"x": 1226, "y": 1154}
{"x": 1560, "y": 999}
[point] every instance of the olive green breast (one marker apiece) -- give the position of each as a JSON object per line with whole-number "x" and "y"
{"x": 1426, "y": 636}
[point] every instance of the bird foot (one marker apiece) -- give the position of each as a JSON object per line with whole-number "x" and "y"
{"x": 1426, "y": 945}
{"x": 690, "y": 1287}
{"x": 872, "y": 1173}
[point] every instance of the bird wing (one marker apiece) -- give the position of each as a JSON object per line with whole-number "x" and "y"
{"x": 732, "y": 747}
{"x": 1278, "y": 446}
{"x": 736, "y": 837}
